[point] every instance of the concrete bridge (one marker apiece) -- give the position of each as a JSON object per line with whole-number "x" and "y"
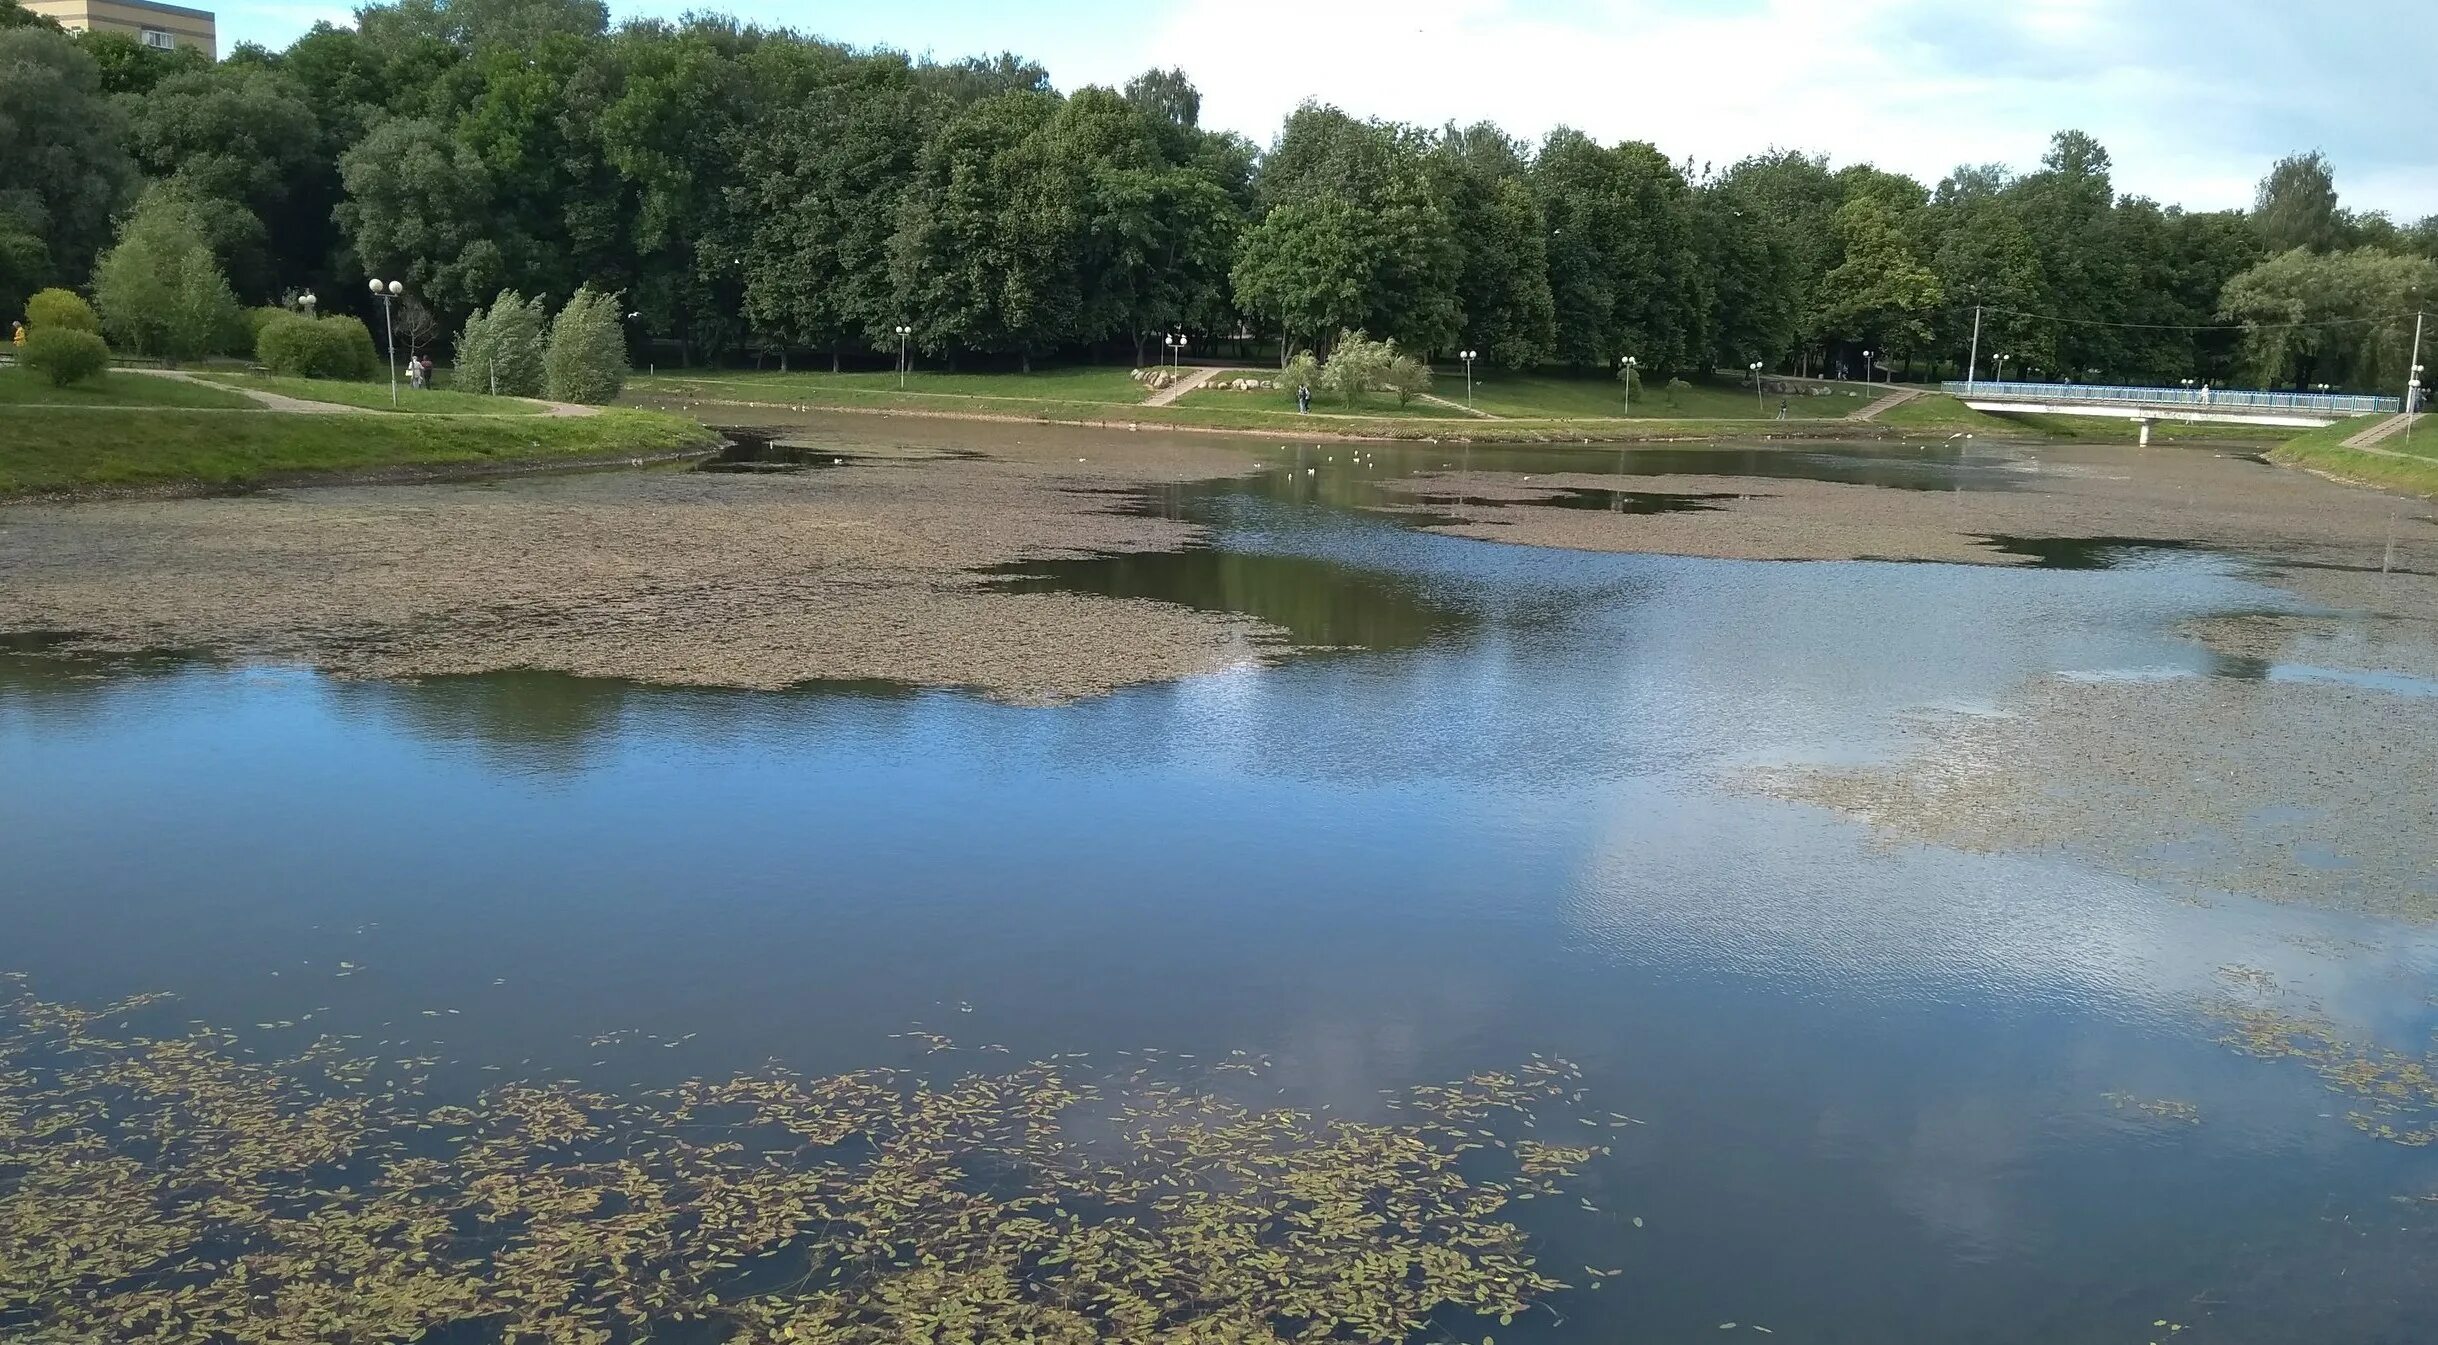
{"x": 2148, "y": 406}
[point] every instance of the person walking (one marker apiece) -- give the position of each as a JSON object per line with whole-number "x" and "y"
{"x": 1303, "y": 399}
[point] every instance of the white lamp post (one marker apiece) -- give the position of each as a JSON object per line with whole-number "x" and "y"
{"x": 903, "y": 332}
{"x": 2001, "y": 368}
{"x": 306, "y": 301}
{"x": 1757, "y": 399}
{"x": 388, "y": 291}
{"x": 1629, "y": 364}
{"x": 1866, "y": 368}
{"x": 1468, "y": 356}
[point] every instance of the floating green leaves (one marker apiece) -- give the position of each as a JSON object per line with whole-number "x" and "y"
{"x": 2396, "y": 1092}
{"x": 171, "y": 1189}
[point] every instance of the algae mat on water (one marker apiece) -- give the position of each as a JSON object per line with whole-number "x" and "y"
{"x": 179, "y": 1188}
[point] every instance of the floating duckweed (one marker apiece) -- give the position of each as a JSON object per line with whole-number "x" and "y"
{"x": 163, "y": 1189}
{"x": 2162, "y": 1108}
{"x": 2398, "y": 1092}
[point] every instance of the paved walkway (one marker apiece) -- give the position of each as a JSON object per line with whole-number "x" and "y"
{"x": 1893, "y": 399}
{"x": 272, "y": 401}
{"x": 1459, "y": 407}
{"x": 268, "y": 401}
{"x": 2387, "y": 428}
{"x": 1182, "y": 386}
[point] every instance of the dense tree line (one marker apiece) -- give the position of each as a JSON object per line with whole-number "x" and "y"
{"x": 763, "y": 193}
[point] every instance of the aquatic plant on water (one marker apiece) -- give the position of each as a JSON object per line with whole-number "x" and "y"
{"x": 175, "y": 1188}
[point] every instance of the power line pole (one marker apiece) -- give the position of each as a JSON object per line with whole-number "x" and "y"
{"x": 1972, "y": 365}
{"x": 2412, "y": 381}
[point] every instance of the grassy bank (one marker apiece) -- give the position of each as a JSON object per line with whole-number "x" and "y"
{"x": 1090, "y": 385}
{"x": 25, "y": 388}
{"x": 1937, "y": 412}
{"x": 375, "y": 396}
{"x": 1536, "y": 408}
{"x": 2412, "y": 467}
{"x": 46, "y": 450}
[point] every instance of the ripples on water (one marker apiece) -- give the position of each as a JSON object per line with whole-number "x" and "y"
{"x": 1885, "y": 1090}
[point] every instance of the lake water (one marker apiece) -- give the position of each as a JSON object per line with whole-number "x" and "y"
{"x": 1883, "y": 1088}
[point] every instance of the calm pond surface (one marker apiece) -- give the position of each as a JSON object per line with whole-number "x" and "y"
{"x": 1883, "y": 1088}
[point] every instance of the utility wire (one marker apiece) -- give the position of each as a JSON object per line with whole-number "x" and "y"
{"x": 2192, "y": 327}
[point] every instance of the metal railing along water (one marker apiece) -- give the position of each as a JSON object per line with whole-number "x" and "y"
{"x": 2199, "y": 399}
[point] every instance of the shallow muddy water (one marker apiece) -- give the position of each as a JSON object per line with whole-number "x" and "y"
{"x": 1885, "y": 1091}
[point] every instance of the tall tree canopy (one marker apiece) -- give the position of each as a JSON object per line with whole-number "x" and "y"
{"x": 749, "y": 190}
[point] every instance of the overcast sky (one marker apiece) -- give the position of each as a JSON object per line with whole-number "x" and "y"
{"x": 2193, "y": 98}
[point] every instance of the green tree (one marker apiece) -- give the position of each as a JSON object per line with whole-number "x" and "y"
{"x": 818, "y": 187}
{"x": 1880, "y": 296}
{"x": 2334, "y": 317}
{"x": 159, "y": 288}
{"x": 1502, "y": 278}
{"x": 1304, "y": 269}
{"x": 242, "y": 138}
{"x": 986, "y": 250}
{"x": 129, "y": 68}
{"x": 586, "y": 359}
{"x": 1379, "y": 173}
{"x": 1626, "y": 276}
{"x": 1357, "y": 364}
{"x": 1792, "y": 200}
{"x": 2066, "y": 210}
{"x": 418, "y": 207}
{"x": 63, "y": 173}
{"x": 2295, "y": 206}
{"x": 1987, "y": 267}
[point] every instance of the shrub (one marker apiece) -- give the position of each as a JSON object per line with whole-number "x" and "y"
{"x": 295, "y": 346}
{"x": 1303, "y": 371}
{"x": 1408, "y": 378}
{"x": 63, "y": 310}
{"x": 501, "y": 348}
{"x": 586, "y": 361}
{"x": 258, "y": 318}
{"x": 65, "y": 355}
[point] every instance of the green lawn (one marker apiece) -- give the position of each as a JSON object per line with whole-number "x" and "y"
{"x": 1548, "y": 396}
{"x": 1539, "y": 397}
{"x": 24, "y": 387}
{"x": 1937, "y": 411}
{"x": 2408, "y": 467}
{"x": 1093, "y": 384}
{"x": 49, "y": 449}
{"x": 375, "y": 396}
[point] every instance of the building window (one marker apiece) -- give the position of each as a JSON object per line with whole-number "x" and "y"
{"x": 158, "y": 40}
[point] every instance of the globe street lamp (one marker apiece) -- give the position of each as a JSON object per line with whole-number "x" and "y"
{"x": 903, "y": 332}
{"x": 1866, "y": 368}
{"x": 2001, "y": 368}
{"x": 1757, "y": 399}
{"x": 1468, "y": 357}
{"x": 389, "y": 291}
{"x": 306, "y": 301}
{"x": 1628, "y": 364}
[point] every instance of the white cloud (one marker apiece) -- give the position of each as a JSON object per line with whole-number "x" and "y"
{"x": 1907, "y": 84}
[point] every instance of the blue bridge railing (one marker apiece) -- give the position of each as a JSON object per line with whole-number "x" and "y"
{"x": 2199, "y": 399}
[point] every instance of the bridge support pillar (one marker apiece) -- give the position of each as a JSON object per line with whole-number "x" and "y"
{"x": 2146, "y": 424}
